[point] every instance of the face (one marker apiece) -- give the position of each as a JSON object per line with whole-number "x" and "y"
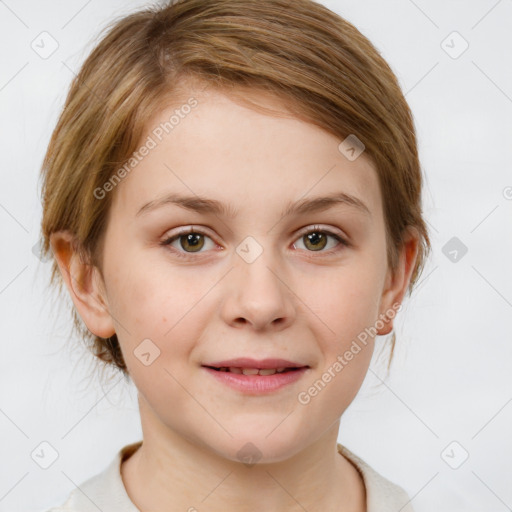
{"x": 249, "y": 272}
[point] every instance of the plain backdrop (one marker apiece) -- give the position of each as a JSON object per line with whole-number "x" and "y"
{"x": 440, "y": 426}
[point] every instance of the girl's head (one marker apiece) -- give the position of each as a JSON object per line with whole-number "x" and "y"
{"x": 232, "y": 179}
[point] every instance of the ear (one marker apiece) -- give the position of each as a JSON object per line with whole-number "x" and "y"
{"x": 84, "y": 284}
{"x": 397, "y": 282}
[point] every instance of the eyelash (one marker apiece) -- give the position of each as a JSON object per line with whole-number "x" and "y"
{"x": 314, "y": 229}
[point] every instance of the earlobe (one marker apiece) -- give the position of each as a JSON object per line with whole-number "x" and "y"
{"x": 388, "y": 324}
{"x": 397, "y": 282}
{"x": 84, "y": 284}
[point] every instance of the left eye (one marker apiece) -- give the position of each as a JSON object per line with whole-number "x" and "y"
{"x": 316, "y": 239}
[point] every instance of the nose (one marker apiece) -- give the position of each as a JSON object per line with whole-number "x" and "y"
{"x": 257, "y": 295}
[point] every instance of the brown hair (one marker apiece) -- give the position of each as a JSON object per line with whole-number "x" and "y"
{"x": 316, "y": 62}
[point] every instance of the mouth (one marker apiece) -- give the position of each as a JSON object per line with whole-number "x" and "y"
{"x": 255, "y": 371}
{"x": 255, "y": 377}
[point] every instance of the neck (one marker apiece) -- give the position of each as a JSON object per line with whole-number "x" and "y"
{"x": 169, "y": 473}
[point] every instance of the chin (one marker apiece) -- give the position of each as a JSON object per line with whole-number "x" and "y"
{"x": 258, "y": 449}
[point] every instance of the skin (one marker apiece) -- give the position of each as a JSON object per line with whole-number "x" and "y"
{"x": 291, "y": 302}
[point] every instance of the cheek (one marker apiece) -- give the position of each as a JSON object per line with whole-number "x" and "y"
{"x": 345, "y": 299}
{"x": 349, "y": 310}
{"x": 347, "y": 306}
{"x": 156, "y": 300}
{"x": 164, "y": 324}
{"x": 159, "y": 314}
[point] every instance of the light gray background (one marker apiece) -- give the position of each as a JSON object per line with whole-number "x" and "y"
{"x": 451, "y": 379}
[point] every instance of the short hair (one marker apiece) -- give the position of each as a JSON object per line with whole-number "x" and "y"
{"x": 321, "y": 67}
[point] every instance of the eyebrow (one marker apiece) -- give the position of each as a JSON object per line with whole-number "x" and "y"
{"x": 205, "y": 205}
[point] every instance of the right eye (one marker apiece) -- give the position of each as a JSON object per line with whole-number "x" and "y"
{"x": 190, "y": 241}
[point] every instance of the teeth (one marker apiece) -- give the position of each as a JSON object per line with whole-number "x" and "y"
{"x": 253, "y": 371}
{"x": 250, "y": 371}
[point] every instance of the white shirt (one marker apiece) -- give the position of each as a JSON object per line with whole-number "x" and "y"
{"x": 106, "y": 492}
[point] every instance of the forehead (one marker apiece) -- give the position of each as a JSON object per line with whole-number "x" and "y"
{"x": 241, "y": 148}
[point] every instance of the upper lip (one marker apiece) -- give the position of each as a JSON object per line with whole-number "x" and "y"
{"x": 246, "y": 362}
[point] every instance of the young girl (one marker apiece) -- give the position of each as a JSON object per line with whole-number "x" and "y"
{"x": 233, "y": 199}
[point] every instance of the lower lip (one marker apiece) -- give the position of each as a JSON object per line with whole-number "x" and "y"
{"x": 257, "y": 384}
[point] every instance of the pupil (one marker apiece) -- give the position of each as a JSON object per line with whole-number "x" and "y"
{"x": 193, "y": 240}
{"x": 315, "y": 238}
{"x": 192, "y": 237}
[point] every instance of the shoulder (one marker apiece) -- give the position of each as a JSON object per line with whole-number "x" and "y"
{"x": 382, "y": 495}
{"x": 103, "y": 491}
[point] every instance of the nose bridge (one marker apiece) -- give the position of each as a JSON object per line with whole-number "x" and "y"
{"x": 259, "y": 294}
{"x": 263, "y": 253}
